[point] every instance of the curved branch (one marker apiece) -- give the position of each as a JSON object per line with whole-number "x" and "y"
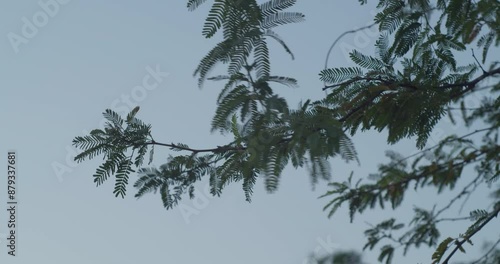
{"x": 195, "y": 151}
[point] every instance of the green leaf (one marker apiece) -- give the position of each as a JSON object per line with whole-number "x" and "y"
{"x": 440, "y": 250}
{"x": 132, "y": 114}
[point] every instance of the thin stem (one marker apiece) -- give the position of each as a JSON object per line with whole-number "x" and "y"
{"x": 464, "y": 191}
{"x": 453, "y": 219}
{"x": 478, "y": 64}
{"x": 214, "y": 150}
{"x": 446, "y": 141}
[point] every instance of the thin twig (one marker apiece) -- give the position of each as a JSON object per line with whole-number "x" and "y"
{"x": 453, "y": 219}
{"x": 447, "y": 141}
{"x": 478, "y": 64}
{"x": 468, "y": 195}
{"x": 340, "y": 37}
{"x": 465, "y": 108}
{"x": 214, "y": 150}
{"x": 464, "y": 191}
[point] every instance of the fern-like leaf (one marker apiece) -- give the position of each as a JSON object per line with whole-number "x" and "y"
{"x": 337, "y": 75}
{"x": 193, "y": 4}
{"x": 282, "y": 18}
{"x": 262, "y": 60}
{"x": 366, "y": 61}
{"x": 273, "y": 6}
{"x": 287, "y": 81}
{"x": 122, "y": 173}
{"x": 113, "y": 117}
{"x": 276, "y": 37}
{"x": 215, "y": 18}
{"x": 108, "y": 168}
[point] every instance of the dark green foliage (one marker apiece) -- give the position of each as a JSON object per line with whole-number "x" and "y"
{"x": 349, "y": 257}
{"x": 408, "y": 100}
{"x": 115, "y": 142}
{"x": 242, "y": 36}
{"x": 281, "y": 18}
{"x": 273, "y": 7}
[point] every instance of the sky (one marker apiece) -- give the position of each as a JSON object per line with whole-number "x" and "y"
{"x": 73, "y": 59}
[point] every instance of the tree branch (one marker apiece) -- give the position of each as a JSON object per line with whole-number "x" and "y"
{"x": 465, "y": 191}
{"x": 340, "y": 37}
{"x": 470, "y": 86}
{"x": 195, "y": 151}
{"x": 446, "y": 141}
{"x": 466, "y": 238}
{"x": 361, "y": 106}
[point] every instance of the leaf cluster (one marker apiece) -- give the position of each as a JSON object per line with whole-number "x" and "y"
{"x": 115, "y": 142}
{"x": 411, "y": 83}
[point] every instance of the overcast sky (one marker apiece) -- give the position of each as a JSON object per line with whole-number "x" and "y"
{"x": 62, "y": 65}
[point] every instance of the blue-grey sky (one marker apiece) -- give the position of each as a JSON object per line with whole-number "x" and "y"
{"x": 81, "y": 57}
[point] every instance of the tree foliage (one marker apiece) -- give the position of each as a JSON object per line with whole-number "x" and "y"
{"x": 412, "y": 83}
{"x": 339, "y": 257}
